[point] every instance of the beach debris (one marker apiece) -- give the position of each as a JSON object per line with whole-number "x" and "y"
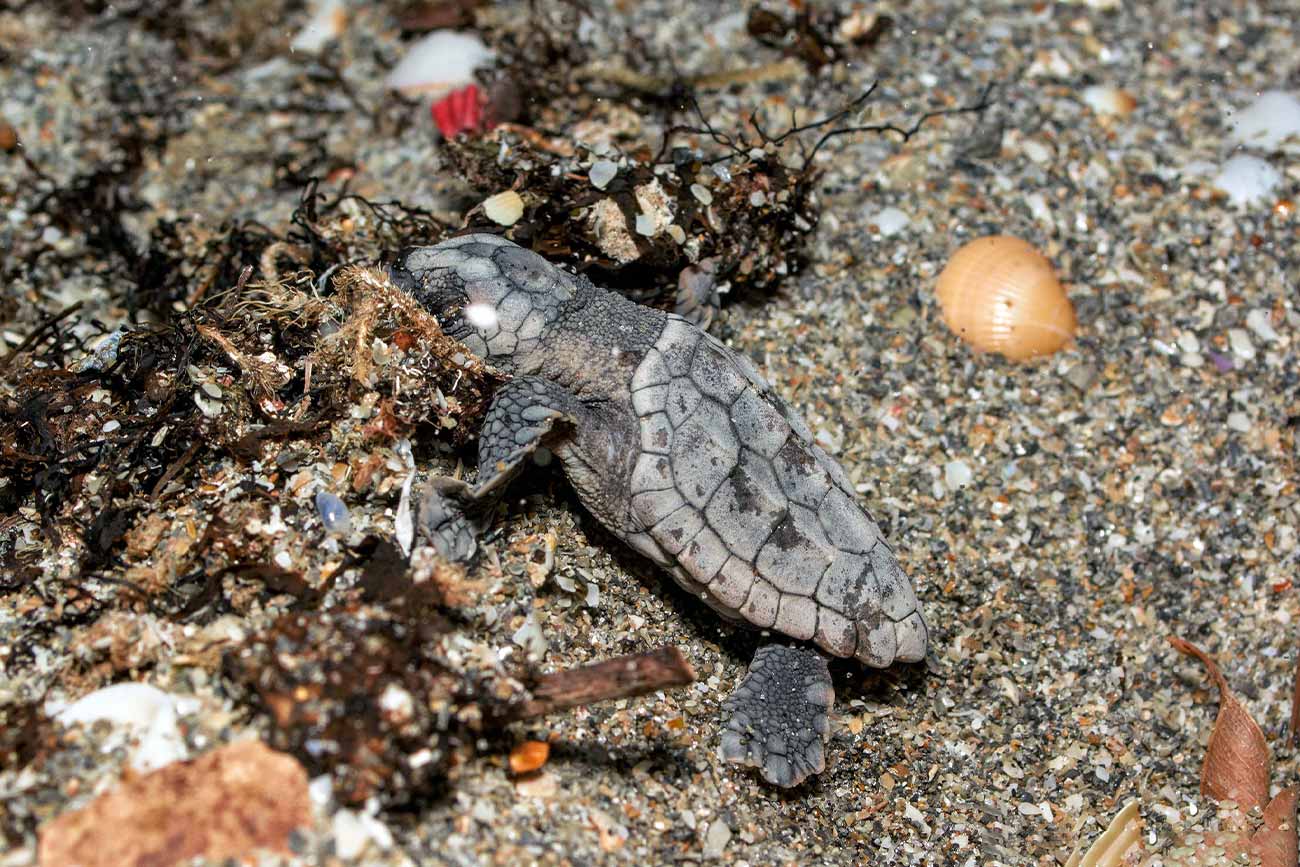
{"x": 1270, "y": 123}
{"x": 504, "y": 208}
{"x": 441, "y": 61}
{"x": 144, "y": 713}
{"x": 1107, "y": 99}
{"x": 1248, "y": 180}
{"x": 529, "y": 756}
{"x": 227, "y": 804}
{"x": 460, "y": 111}
{"x": 1121, "y": 839}
{"x": 999, "y": 294}
{"x": 328, "y": 20}
{"x": 333, "y": 513}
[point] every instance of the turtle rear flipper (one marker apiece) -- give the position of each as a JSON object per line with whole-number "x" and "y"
{"x": 778, "y": 719}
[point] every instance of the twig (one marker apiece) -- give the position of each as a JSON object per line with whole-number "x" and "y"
{"x": 1295, "y": 702}
{"x": 622, "y": 677}
{"x": 39, "y": 331}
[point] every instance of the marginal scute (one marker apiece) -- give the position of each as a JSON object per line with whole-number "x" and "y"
{"x": 651, "y": 507}
{"x": 841, "y": 585}
{"x": 761, "y": 604}
{"x": 651, "y": 371}
{"x": 674, "y": 531}
{"x": 730, "y": 587}
{"x": 835, "y": 634}
{"x": 796, "y": 616}
{"x": 656, "y": 434}
{"x": 652, "y": 473}
{"x": 893, "y": 591}
{"x": 801, "y": 477}
{"x": 846, "y": 524}
{"x": 651, "y": 399}
{"x": 913, "y": 637}
{"x": 877, "y": 641}
{"x": 704, "y": 555}
{"x": 677, "y": 343}
{"x": 714, "y": 375}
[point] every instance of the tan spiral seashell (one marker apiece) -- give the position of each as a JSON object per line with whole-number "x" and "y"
{"x": 1001, "y": 295}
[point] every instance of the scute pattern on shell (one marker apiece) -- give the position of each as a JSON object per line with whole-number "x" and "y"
{"x": 757, "y": 519}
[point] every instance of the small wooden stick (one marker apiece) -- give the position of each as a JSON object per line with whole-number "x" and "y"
{"x": 1295, "y": 702}
{"x": 621, "y": 677}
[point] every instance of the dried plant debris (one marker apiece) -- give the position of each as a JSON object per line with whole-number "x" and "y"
{"x": 1120, "y": 842}
{"x": 1237, "y": 759}
{"x": 390, "y": 703}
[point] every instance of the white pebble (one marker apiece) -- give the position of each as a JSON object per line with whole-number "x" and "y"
{"x": 1239, "y": 340}
{"x": 702, "y": 194}
{"x": 1105, "y": 99}
{"x": 891, "y": 221}
{"x": 1271, "y": 122}
{"x": 645, "y": 225}
{"x": 601, "y": 173}
{"x": 1247, "y": 180}
{"x": 956, "y": 474}
{"x": 1239, "y": 421}
{"x": 757, "y": 198}
{"x": 329, "y": 18}
{"x": 110, "y": 426}
{"x": 1258, "y": 321}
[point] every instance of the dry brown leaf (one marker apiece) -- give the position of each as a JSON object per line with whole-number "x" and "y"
{"x": 1237, "y": 759}
{"x": 1275, "y": 843}
{"x": 1121, "y": 838}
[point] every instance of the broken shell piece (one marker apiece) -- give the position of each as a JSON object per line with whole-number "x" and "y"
{"x": 1104, "y": 99}
{"x": 328, "y": 20}
{"x": 504, "y": 208}
{"x": 612, "y": 235}
{"x": 441, "y": 61}
{"x": 1121, "y": 837}
{"x": 1001, "y": 295}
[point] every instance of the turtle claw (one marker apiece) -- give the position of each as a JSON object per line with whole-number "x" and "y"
{"x": 443, "y": 521}
{"x": 778, "y": 719}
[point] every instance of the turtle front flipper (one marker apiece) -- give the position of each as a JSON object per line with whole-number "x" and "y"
{"x": 778, "y": 719}
{"x": 526, "y": 414}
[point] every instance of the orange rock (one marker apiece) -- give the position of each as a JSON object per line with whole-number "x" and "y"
{"x": 529, "y": 756}
{"x": 227, "y": 804}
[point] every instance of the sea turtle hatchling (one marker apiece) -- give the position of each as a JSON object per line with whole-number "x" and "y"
{"x": 680, "y": 448}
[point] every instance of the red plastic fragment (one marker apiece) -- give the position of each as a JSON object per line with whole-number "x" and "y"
{"x": 460, "y": 111}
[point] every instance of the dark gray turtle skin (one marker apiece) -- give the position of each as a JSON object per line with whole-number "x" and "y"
{"x": 677, "y": 445}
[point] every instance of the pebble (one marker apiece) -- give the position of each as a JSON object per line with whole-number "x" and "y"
{"x": 333, "y": 513}
{"x": 1271, "y": 122}
{"x": 716, "y": 839}
{"x": 702, "y": 194}
{"x": 1239, "y": 422}
{"x": 1258, "y": 321}
{"x": 956, "y": 474}
{"x": 601, "y": 173}
{"x": 1239, "y": 340}
{"x": 1081, "y": 376}
{"x": 1247, "y": 180}
{"x": 890, "y": 221}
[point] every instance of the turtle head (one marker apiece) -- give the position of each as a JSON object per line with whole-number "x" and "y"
{"x": 489, "y": 293}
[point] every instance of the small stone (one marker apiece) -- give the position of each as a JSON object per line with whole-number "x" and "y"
{"x": 1239, "y": 340}
{"x": 601, "y": 173}
{"x": 333, "y": 513}
{"x": 1258, "y": 321}
{"x": 891, "y": 221}
{"x": 1105, "y": 99}
{"x": 529, "y": 756}
{"x": 1247, "y": 179}
{"x": 956, "y": 474}
{"x": 1081, "y": 376}
{"x": 1239, "y": 421}
{"x": 702, "y": 194}
{"x": 716, "y": 839}
{"x": 350, "y": 835}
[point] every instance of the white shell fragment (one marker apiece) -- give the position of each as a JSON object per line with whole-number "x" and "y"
{"x": 504, "y": 208}
{"x": 890, "y": 221}
{"x": 143, "y": 712}
{"x": 1247, "y": 180}
{"x": 442, "y": 61}
{"x": 1271, "y": 122}
{"x": 601, "y": 173}
{"x": 328, "y": 20}
{"x": 1105, "y": 99}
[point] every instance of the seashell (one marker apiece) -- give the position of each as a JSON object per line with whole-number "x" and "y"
{"x": 1105, "y": 99}
{"x": 504, "y": 208}
{"x": 1001, "y": 295}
